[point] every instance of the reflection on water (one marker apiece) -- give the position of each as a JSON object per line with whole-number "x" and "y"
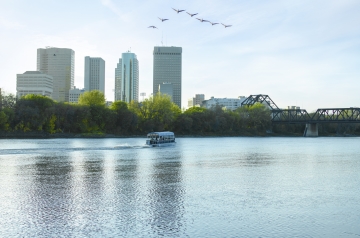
{"x": 256, "y": 159}
{"x": 48, "y": 195}
{"x": 167, "y": 197}
{"x": 220, "y": 187}
{"x": 127, "y": 194}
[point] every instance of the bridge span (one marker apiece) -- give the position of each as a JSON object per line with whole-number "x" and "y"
{"x": 301, "y": 116}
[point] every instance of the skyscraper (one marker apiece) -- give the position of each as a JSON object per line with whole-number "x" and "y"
{"x": 94, "y": 75}
{"x": 58, "y": 63}
{"x": 167, "y": 69}
{"x": 127, "y": 78}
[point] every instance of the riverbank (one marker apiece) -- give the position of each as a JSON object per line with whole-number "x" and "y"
{"x": 44, "y": 135}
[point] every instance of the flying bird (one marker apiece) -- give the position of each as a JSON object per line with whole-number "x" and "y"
{"x": 226, "y": 25}
{"x": 191, "y": 14}
{"x": 163, "y": 19}
{"x": 213, "y": 23}
{"x": 178, "y": 10}
{"x": 202, "y": 20}
{"x": 153, "y": 27}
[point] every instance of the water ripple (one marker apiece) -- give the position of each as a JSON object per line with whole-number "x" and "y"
{"x": 229, "y": 187}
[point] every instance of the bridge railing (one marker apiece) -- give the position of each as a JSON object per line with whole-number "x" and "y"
{"x": 323, "y": 115}
{"x": 342, "y": 115}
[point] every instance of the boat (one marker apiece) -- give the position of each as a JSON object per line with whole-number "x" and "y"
{"x": 157, "y": 139}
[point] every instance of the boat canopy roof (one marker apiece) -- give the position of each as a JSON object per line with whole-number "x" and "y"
{"x": 163, "y": 133}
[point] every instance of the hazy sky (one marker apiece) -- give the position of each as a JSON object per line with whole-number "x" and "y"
{"x": 304, "y": 52}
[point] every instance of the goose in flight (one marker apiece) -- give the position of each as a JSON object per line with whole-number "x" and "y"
{"x": 213, "y": 23}
{"x": 178, "y": 10}
{"x": 191, "y": 14}
{"x": 226, "y": 25}
{"x": 202, "y": 20}
{"x": 153, "y": 27}
{"x": 163, "y": 19}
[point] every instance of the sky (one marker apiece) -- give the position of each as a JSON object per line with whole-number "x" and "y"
{"x": 301, "y": 53}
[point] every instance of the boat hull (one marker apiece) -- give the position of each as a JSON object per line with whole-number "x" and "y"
{"x": 163, "y": 144}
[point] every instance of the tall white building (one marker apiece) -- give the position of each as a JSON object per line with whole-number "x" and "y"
{"x": 167, "y": 69}
{"x": 94, "y": 75}
{"x": 34, "y": 82}
{"x": 127, "y": 78}
{"x": 58, "y": 63}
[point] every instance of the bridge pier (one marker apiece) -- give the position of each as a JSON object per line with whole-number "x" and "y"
{"x": 311, "y": 130}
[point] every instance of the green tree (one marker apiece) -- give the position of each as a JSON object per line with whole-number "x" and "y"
{"x": 256, "y": 117}
{"x": 99, "y": 118}
{"x": 119, "y": 106}
{"x": 7, "y": 100}
{"x": 32, "y": 112}
{"x": 65, "y": 118}
{"x": 79, "y": 119}
{"x": 126, "y": 120}
{"x": 156, "y": 113}
{"x": 10, "y": 118}
{"x": 94, "y": 97}
{"x": 197, "y": 120}
{"x": 192, "y": 110}
{"x": 183, "y": 124}
{"x": 4, "y": 121}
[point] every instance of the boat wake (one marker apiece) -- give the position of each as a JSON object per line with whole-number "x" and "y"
{"x": 127, "y": 146}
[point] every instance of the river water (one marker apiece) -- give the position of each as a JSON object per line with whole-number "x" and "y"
{"x": 201, "y": 187}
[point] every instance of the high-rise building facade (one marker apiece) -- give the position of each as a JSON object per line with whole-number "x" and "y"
{"x": 34, "y": 82}
{"x": 94, "y": 75}
{"x": 167, "y": 69}
{"x": 127, "y": 78}
{"x": 58, "y": 63}
{"x": 166, "y": 88}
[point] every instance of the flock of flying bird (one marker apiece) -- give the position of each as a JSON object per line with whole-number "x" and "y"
{"x": 191, "y": 15}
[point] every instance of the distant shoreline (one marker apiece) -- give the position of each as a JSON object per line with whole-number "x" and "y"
{"x": 43, "y": 135}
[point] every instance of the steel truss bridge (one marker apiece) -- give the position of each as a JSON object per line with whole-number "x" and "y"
{"x": 301, "y": 116}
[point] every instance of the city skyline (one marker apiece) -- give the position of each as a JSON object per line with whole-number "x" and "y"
{"x": 300, "y": 53}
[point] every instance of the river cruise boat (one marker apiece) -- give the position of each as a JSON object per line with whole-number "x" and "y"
{"x": 156, "y": 139}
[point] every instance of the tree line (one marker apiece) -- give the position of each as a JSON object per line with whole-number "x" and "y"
{"x": 36, "y": 113}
